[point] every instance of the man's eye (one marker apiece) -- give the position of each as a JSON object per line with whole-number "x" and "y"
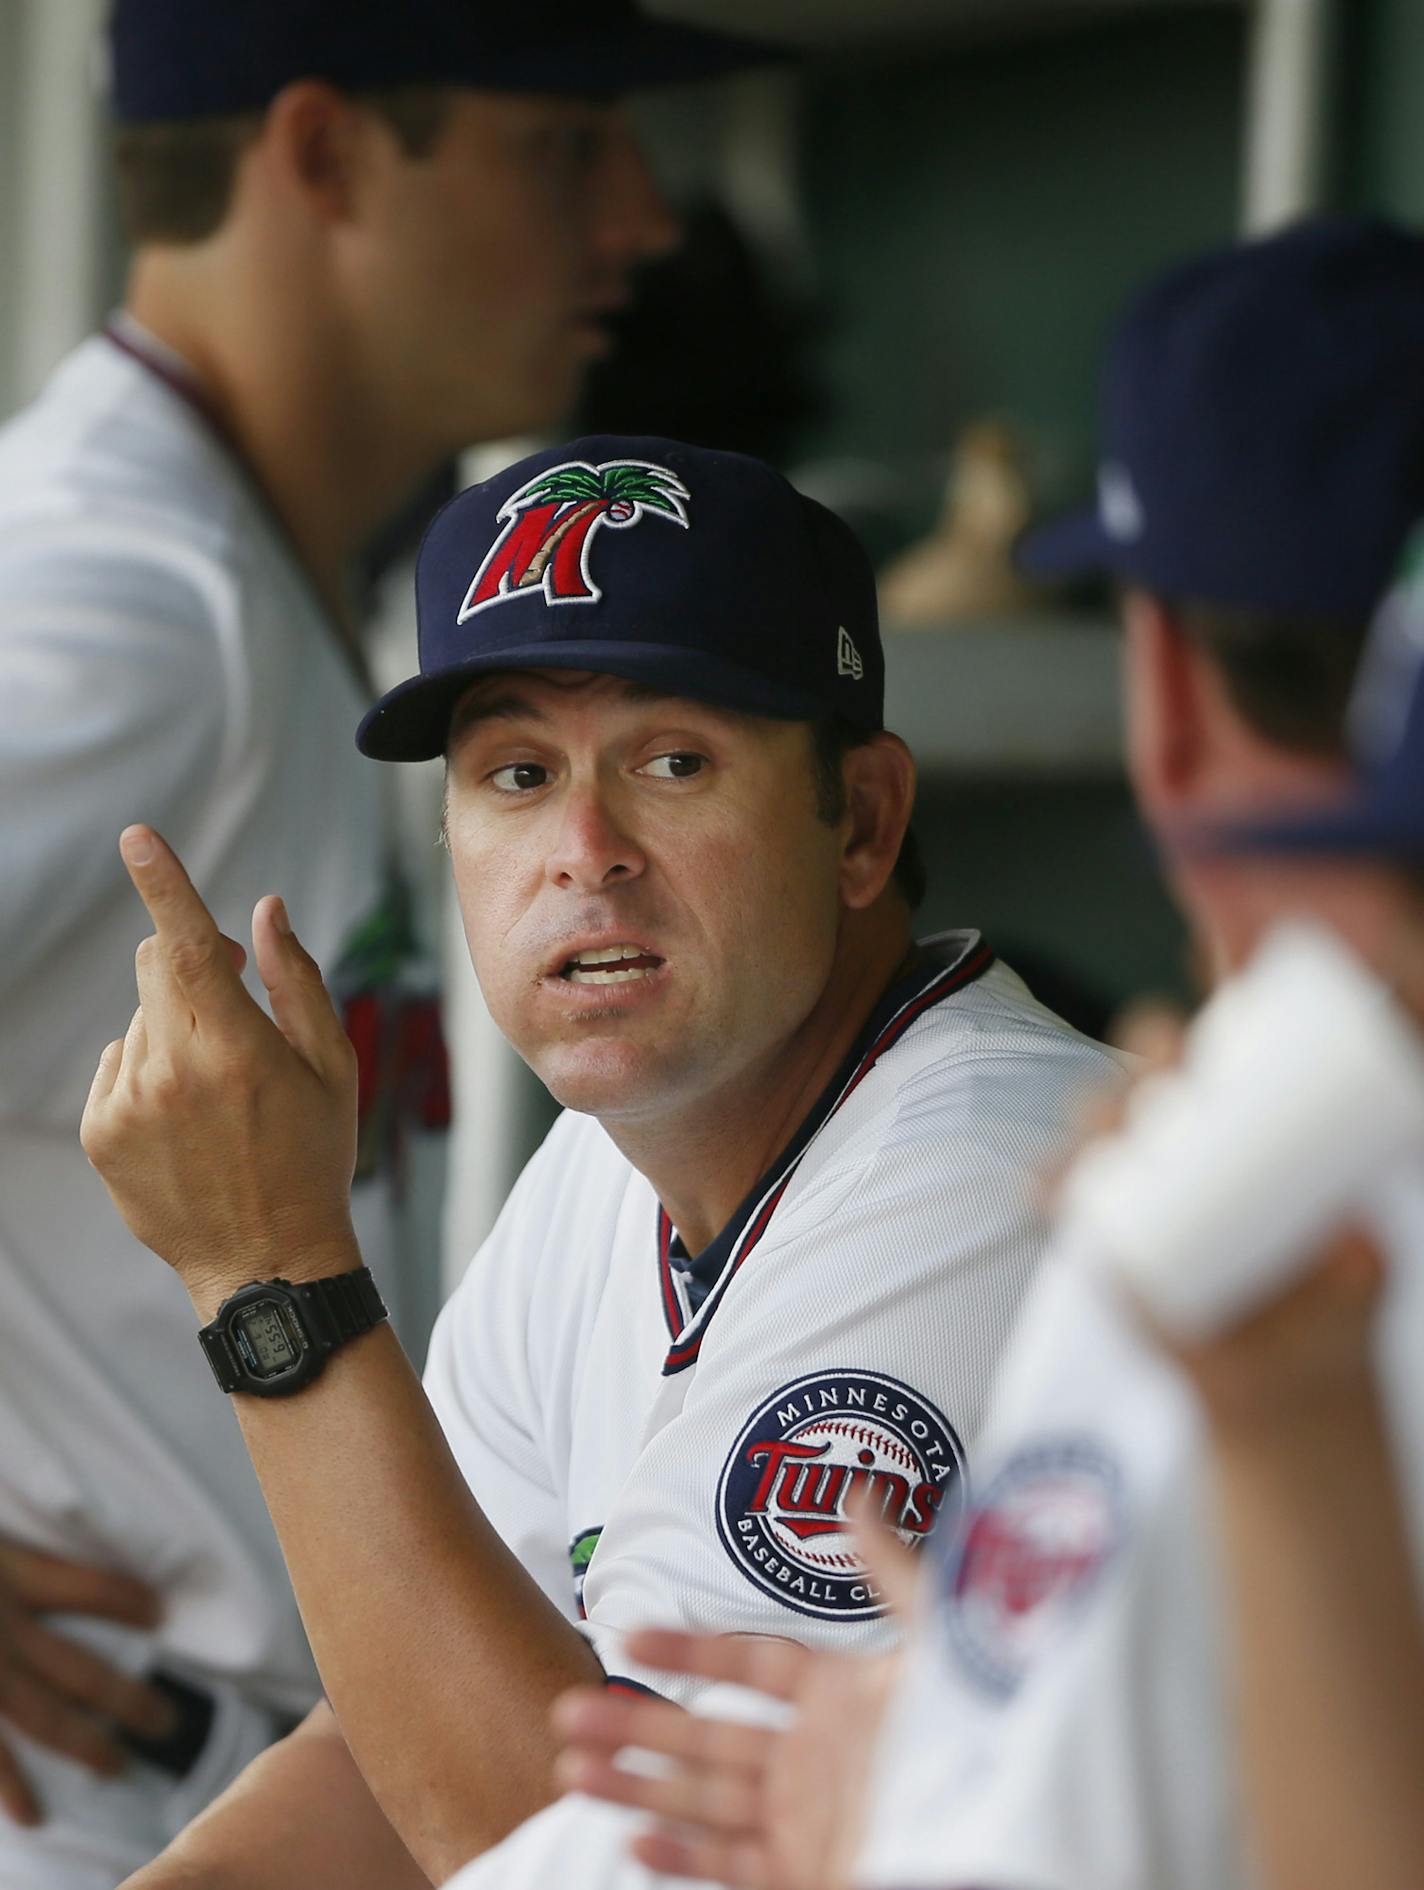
{"x": 676, "y": 767}
{"x": 572, "y": 150}
{"x": 519, "y": 777}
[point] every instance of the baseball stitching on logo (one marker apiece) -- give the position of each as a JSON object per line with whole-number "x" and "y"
{"x": 783, "y": 1490}
{"x": 884, "y": 1441}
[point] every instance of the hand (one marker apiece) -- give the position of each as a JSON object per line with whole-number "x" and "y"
{"x": 1313, "y": 1343}
{"x": 1301, "y": 1355}
{"x": 743, "y": 1805}
{"x": 57, "y": 1692}
{"x": 227, "y": 1141}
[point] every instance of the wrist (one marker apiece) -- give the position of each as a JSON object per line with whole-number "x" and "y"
{"x": 1296, "y": 1418}
{"x": 315, "y": 1260}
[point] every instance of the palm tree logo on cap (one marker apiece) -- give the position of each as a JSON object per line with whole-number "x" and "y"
{"x": 550, "y": 525}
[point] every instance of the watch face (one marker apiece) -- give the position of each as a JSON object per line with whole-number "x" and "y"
{"x": 268, "y": 1338}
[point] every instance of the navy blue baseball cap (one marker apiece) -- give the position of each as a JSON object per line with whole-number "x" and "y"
{"x": 1262, "y": 427}
{"x": 177, "y": 59}
{"x": 703, "y": 573}
{"x": 1381, "y": 812}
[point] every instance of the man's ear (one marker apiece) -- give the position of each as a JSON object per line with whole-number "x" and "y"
{"x": 319, "y": 143}
{"x": 880, "y": 794}
{"x": 1166, "y": 736}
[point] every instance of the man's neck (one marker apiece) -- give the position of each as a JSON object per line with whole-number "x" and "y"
{"x": 704, "y": 1160}
{"x": 331, "y": 467}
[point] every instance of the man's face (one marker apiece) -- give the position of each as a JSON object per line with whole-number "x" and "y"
{"x": 588, "y": 817}
{"x": 491, "y": 264}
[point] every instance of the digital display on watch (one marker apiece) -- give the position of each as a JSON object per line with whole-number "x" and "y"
{"x": 266, "y": 1339}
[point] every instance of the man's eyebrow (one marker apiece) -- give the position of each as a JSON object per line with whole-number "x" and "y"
{"x": 506, "y": 708}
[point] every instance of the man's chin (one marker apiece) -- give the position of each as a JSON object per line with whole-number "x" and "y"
{"x": 607, "y": 1080}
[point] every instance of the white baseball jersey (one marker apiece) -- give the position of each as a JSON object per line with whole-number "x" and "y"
{"x": 1066, "y": 1721}
{"x": 161, "y": 659}
{"x": 661, "y": 1444}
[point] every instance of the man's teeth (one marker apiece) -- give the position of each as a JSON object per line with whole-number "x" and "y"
{"x": 608, "y": 966}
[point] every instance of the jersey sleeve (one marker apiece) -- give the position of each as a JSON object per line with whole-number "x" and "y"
{"x": 855, "y": 1345}
{"x": 481, "y": 1377}
{"x": 1047, "y": 1729}
{"x": 112, "y": 709}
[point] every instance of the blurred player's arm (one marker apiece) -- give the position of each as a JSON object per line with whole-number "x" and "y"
{"x": 111, "y": 694}
{"x": 1327, "y": 1627}
{"x": 299, "y": 1817}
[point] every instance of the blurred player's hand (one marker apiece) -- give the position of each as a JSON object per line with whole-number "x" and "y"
{"x": 227, "y": 1141}
{"x": 55, "y": 1691}
{"x": 1311, "y": 1343}
{"x": 736, "y": 1804}
{"x": 1295, "y": 1357}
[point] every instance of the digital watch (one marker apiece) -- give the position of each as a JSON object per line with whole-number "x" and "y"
{"x": 273, "y": 1337}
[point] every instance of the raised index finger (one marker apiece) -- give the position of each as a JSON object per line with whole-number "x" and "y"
{"x": 194, "y": 949}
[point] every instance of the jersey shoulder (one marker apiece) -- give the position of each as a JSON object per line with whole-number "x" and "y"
{"x": 569, "y": 1200}
{"x": 987, "y": 1074}
{"x": 108, "y": 460}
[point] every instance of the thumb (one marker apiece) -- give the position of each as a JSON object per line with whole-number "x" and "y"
{"x": 898, "y": 1571}
{"x": 301, "y": 1004}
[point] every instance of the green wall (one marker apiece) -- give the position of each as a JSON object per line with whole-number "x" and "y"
{"x": 1382, "y": 108}
{"x": 979, "y": 213}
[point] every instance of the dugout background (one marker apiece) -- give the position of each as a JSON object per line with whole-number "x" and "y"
{"x": 931, "y": 221}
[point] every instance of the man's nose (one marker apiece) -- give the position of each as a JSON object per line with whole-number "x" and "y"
{"x": 638, "y": 223}
{"x": 592, "y": 851}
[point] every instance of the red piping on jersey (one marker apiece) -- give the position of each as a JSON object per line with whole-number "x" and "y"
{"x": 952, "y": 978}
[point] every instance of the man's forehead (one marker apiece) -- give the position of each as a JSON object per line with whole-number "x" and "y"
{"x": 535, "y": 694}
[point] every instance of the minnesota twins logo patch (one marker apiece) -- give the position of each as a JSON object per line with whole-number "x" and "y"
{"x": 550, "y": 525}
{"x": 781, "y": 1501}
{"x": 1028, "y": 1554}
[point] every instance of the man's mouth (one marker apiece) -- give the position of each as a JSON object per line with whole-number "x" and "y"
{"x": 611, "y": 964}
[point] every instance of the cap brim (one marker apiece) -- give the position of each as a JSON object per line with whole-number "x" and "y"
{"x": 412, "y": 721}
{"x": 1368, "y": 828}
{"x": 628, "y": 56}
{"x": 1069, "y": 547}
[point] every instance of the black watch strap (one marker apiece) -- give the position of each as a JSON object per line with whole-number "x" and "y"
{"x": 340, "y": 1307}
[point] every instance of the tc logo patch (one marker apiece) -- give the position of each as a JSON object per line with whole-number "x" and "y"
{"x": 1029, "y": 1552}
{"x": 781, "y": 1501}
{"x": 550, "y": 525}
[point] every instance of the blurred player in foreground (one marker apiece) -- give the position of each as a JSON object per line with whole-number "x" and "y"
{"x": 796, "y": 1164}
{"x": 1067, "y": 1721}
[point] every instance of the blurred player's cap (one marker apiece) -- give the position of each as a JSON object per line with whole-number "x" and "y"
{"x": 1262, "y": 428}
{"x": 702, "y": 573}
{"x": 1381, "y": 812}
{"x": 176, "y": 59}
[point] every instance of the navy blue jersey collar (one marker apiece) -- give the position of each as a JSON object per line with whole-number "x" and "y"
{"x": 932, "y": 975}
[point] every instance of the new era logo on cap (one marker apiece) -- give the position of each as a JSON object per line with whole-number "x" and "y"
{"x": 848, "y": 660}
{"x": 1118, "y": 504}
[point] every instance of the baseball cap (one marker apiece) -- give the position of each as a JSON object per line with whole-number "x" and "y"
{"x": 176, "y": 59}
{"x": 1262, "y": 427}
{"x": 703, "y": 573}
{"x": 1381, "y": 812}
